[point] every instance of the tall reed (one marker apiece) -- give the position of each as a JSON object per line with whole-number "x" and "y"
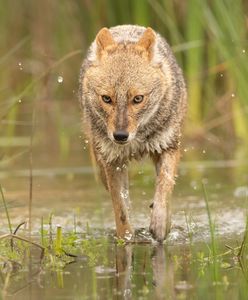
{"x": 209, "y": 39}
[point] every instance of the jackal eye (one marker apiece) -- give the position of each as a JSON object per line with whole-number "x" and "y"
{"x": 137, "y": 99}
{"x": 106, "y": 99}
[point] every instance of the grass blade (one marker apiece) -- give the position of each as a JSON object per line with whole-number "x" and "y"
{"x": 212, "y": 235}
{"x": 6, "y": 209}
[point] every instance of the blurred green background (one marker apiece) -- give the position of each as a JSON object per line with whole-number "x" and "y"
{"x": 43, "y": 44}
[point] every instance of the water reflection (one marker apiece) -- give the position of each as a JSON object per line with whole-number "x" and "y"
{"x": 17, "y": 275}
{"x": 128, "y": 278}
{"x": 124, "y": 271}
{"x": 162, "y": 274}
{"x": 132, "y": 271}
{"x": 162, "y": 269}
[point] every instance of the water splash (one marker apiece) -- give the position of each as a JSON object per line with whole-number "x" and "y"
{"x": 128, "y": 236}
{"x": 60, "y": 79}
{"x": 124, "y": 194}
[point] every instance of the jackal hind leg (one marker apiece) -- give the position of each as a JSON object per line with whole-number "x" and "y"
{"x": 117, "y": 182}
{"x": 166, "y": 166}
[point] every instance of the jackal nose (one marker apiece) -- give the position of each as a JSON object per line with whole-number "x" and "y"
{"x": 120, "y": 136}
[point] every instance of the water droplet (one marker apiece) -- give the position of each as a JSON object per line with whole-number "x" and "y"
{"x": 203, "y": 151}
{"x": 60, "y": 79}
{"x": 221, "y": 75}
{"x": 118, "y": 169}
{"x": 86, "y": 141}
{"x": 185, "y": 149}
{"x": 20, "y": 66}
{"x": 20, "y": 100}
{"x": 127, "y": 293}
{"x": 128, "y": 235}
{"x": 233, "y": 95}
{"x": 124, "y": 194}
{"x": 243, "y": 51}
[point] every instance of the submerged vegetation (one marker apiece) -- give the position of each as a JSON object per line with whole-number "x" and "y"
{"x": 52, "y": 251}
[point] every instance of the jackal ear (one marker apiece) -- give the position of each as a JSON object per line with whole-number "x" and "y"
{"x": 147, "y": 41}
{"x": 104, "y": 39}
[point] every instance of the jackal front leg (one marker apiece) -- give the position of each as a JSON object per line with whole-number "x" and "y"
{"x": 166, "y": 165}
{"x": 117, "y": 181}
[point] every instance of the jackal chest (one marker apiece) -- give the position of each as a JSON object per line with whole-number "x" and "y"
{"x": 112, "y": 152}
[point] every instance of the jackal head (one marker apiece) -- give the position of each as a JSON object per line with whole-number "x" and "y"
{"x": 124, "y": 86}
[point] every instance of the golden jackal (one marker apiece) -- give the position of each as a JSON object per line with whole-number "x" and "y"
{"x": 133, "y": 97}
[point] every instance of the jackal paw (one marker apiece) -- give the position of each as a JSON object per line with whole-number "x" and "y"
{"x": 125, "y": 232}
{"x": 160, "y": 224}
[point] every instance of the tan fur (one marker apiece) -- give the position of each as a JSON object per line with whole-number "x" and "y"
{"x": 104, "y": 40}
{"x": 124, "y": 62}
{"x": 147, "y": 41}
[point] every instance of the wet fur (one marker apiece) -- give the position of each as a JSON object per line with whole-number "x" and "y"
{"x": 155, "y": 124}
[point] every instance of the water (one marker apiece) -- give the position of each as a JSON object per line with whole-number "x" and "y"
{"x": 179, "y": 269}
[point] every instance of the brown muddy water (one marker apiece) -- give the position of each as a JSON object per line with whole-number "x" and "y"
{"x": 182, "y": 268}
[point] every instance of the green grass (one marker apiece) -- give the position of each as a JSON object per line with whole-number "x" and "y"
{"x": 6, "y": 209}
{"x": 205, "y": 265}
{"x": 214, "y": 249}
{"x": 210, "y": 40}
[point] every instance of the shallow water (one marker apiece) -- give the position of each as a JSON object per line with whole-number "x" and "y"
{"x": 70, "y": 193}
{"x": 145, "y": 270}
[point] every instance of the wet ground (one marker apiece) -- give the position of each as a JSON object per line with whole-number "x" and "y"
{"x": 179, "y": 269}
